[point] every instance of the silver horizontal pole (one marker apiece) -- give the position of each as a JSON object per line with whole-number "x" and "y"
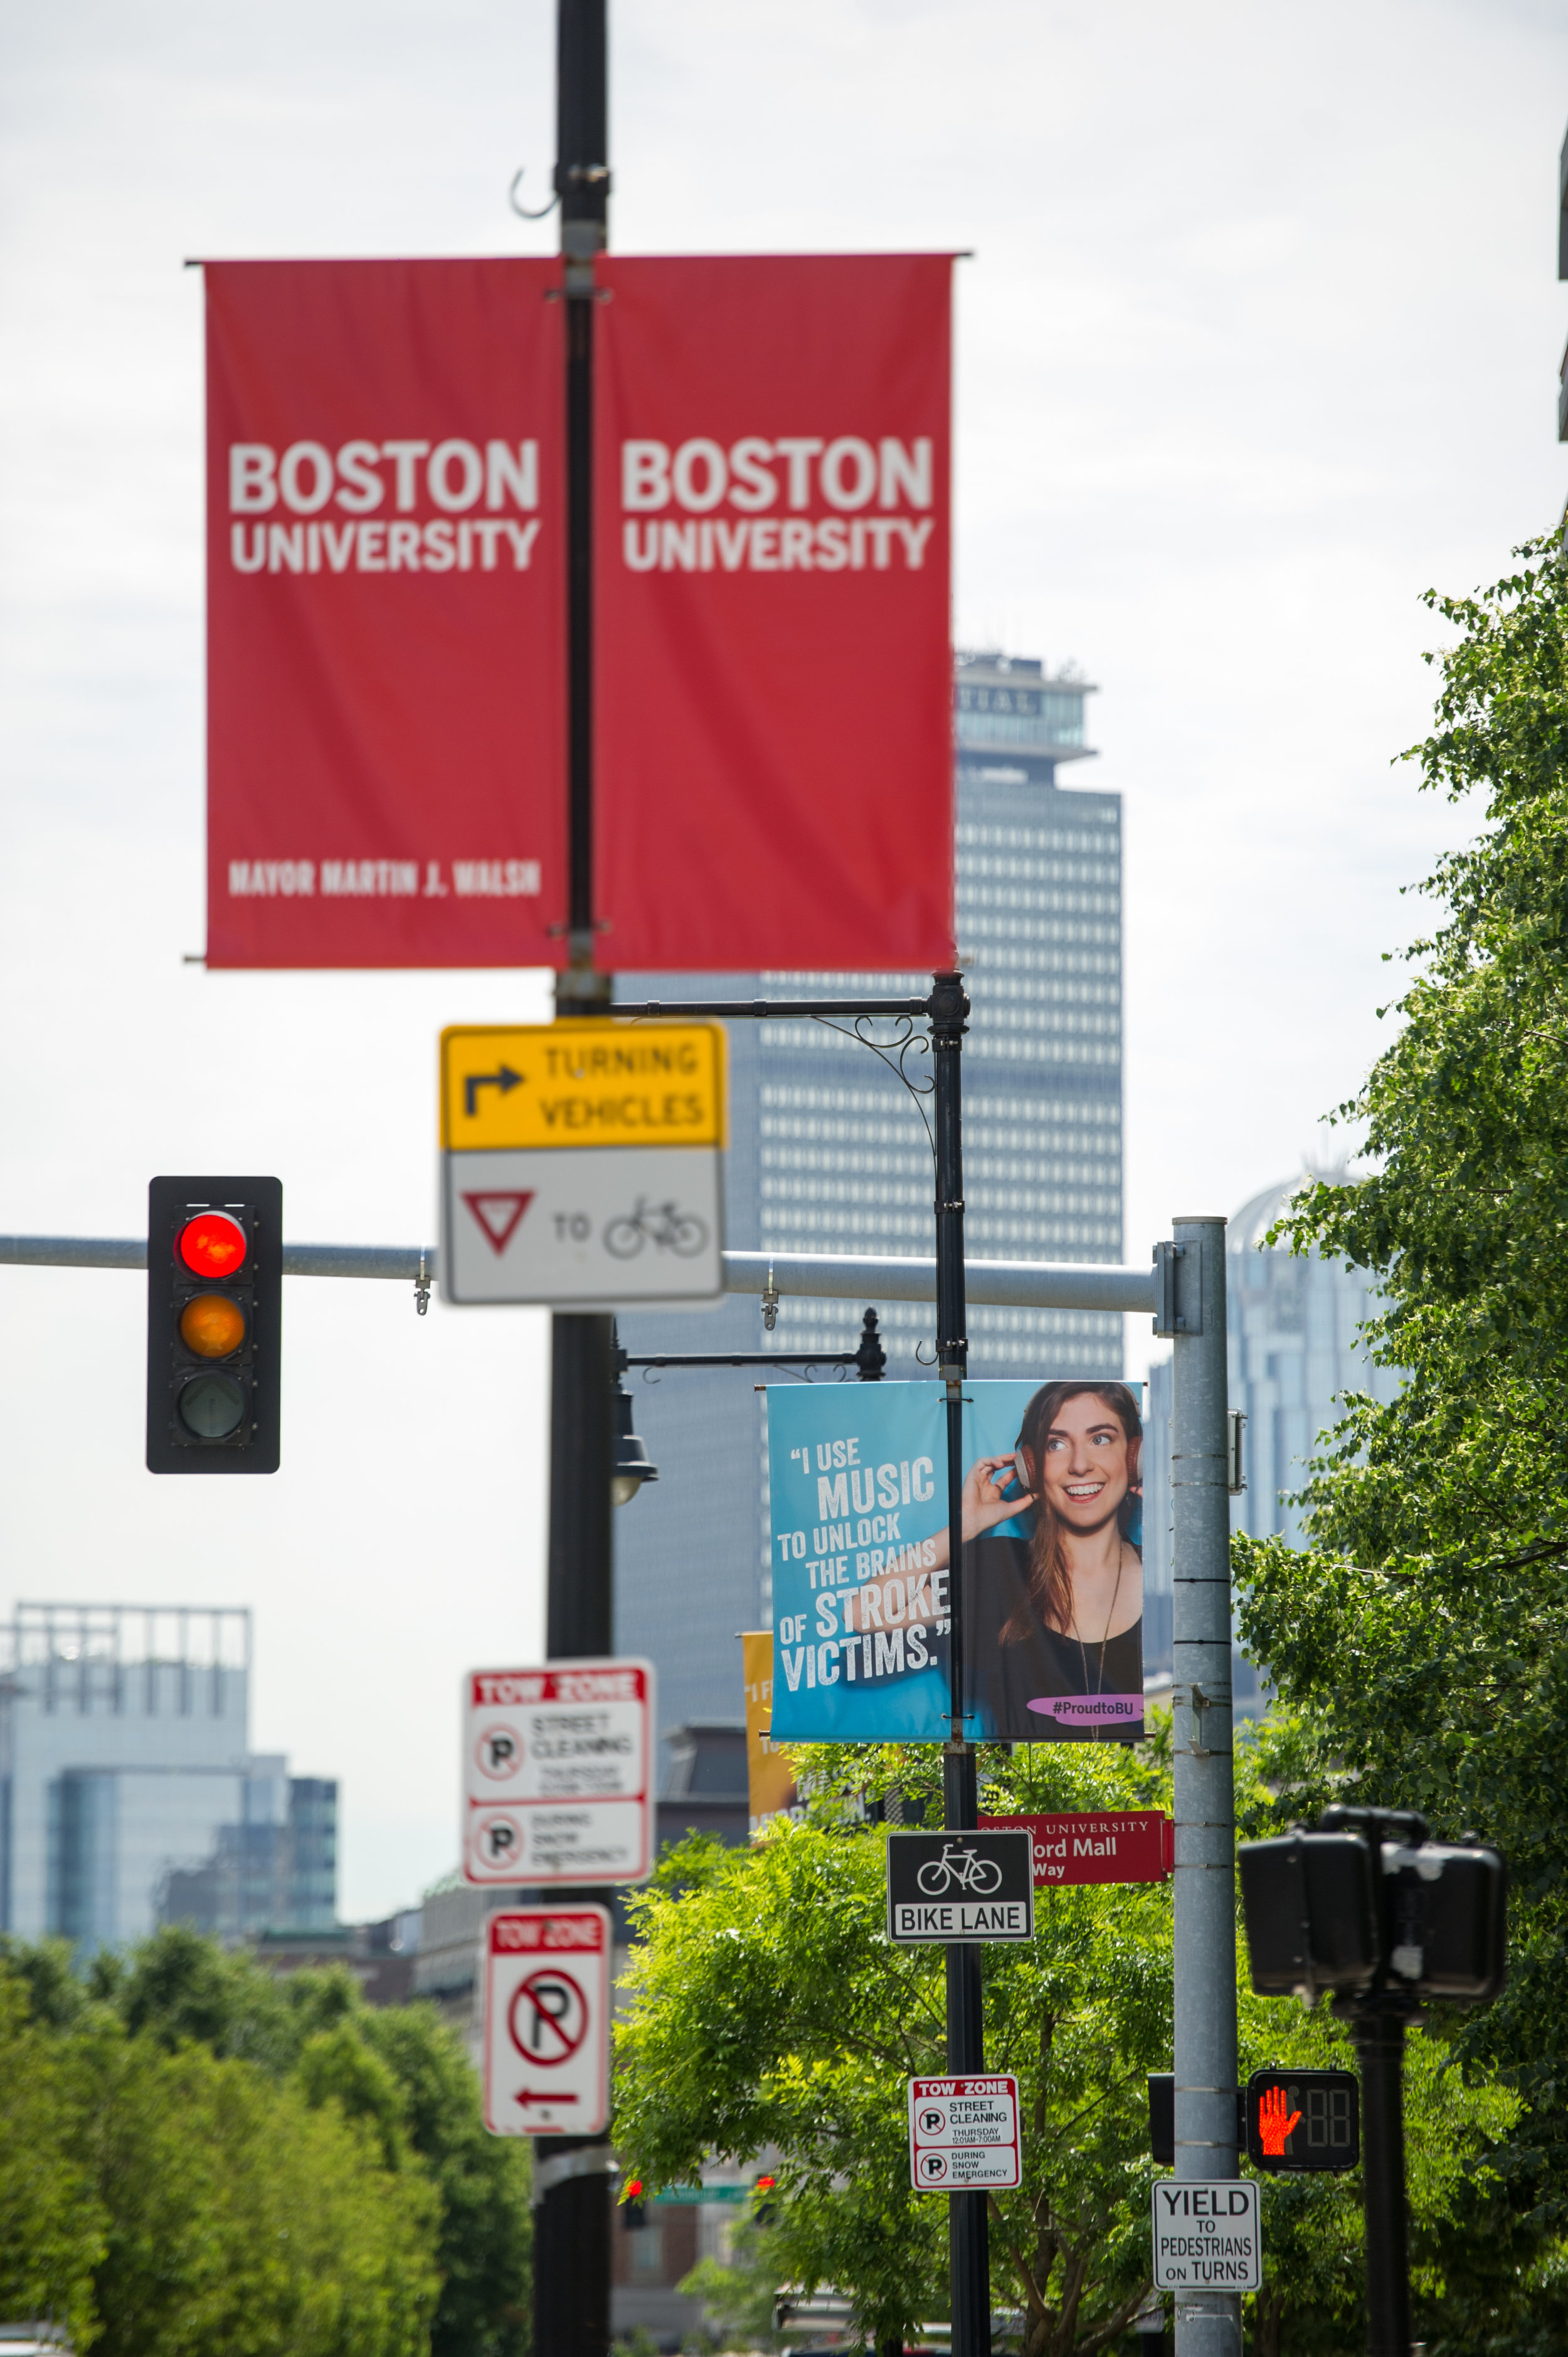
{"x": 298, "y": 1260}
{"x": 1011, "y": 1283}
{"x": 1017, "y": 1284}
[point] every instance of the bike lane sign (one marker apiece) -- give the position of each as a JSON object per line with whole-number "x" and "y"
{"x": 962, "y": 2132}
{"x": 547, "y": 2021}
{"x": 947, "y": 1888}
{"x": 582, "y": 1163}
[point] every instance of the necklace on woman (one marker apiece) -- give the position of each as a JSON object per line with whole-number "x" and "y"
{"x": 1082, "y": 1648}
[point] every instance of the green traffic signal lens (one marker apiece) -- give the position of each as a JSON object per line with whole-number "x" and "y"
{"x": 212, "y": 1406}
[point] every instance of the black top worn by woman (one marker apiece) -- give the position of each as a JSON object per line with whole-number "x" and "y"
{"x": 1004, "y": 1679}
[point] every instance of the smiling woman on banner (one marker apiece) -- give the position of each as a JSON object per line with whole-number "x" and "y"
{"x": 1052, "y": 1619}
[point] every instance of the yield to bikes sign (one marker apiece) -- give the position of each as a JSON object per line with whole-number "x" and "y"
{"x": 949, "y": 1887}
{"x": 581, "y": 1163}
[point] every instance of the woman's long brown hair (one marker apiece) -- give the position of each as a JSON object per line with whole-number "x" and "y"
{"x": 1050, "y": 1583}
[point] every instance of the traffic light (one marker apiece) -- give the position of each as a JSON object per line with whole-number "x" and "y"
{"x": 214, "y": 1305}
{"x": 1303, "y": 2119}
{"x": 1366, "y": 1906}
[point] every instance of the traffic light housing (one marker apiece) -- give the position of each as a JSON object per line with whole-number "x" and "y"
{"x": 214, "y": 1308}
{"x": 1366, "y": 1907}
{"x": 1303, "y": 2119}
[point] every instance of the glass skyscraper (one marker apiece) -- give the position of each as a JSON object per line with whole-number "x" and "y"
{"x": 129, "y": 1796}
{"x": 829, "y": 1153}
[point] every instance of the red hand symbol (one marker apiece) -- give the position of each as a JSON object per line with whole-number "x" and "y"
{"x": 1273, "y": 2126}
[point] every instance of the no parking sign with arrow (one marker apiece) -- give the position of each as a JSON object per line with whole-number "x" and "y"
{"x": 547, "y": 2015}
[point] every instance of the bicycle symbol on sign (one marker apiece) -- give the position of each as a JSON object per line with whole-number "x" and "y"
{"x": 659, "y": 1224}
{"x": 965, "y": 1868}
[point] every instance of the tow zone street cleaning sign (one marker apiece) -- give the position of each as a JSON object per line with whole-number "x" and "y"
{"x": 1208, "y": 2235}
{"x": 547, "y": 2021}
{"x": 963, "y": 2133}
{"x": 581, "y": 1163}
{"x": 558, "y": 1774}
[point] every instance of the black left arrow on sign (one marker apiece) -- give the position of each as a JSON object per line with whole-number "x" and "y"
{"x": 505, "y": 1080}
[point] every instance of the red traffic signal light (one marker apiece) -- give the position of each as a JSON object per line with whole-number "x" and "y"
{"x": 213, "y": 1244}
{"x": 214, "y": 1299}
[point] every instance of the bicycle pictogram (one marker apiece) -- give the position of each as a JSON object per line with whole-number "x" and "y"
{"x": 662, "y": 1225}
{"x": 965, "y": 1867}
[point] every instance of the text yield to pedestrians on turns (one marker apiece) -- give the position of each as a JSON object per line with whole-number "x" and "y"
{"x": 1208, "y": 2236}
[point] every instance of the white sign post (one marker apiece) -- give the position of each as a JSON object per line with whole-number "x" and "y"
{"x": 963, "y": 2133}
{"x": 547, "y": 2021}
{"x": 558, "y": 1774}
{"x": 1208, "y": 2235}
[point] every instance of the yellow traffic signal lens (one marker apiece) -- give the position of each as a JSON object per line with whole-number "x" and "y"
{"x": 212, "y": 1326}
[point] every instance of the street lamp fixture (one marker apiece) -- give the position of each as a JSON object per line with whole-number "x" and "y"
{"x": 633, "y": 1465}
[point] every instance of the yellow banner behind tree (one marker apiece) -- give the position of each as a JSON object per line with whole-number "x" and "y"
{"x": 769, "y": 1775}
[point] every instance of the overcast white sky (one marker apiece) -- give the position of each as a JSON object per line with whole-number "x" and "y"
{"x": 1259, "y": 340}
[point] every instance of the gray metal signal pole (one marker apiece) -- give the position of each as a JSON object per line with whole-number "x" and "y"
{"x": 1207, "y": 2323}
{"x": 572, "y": 2220}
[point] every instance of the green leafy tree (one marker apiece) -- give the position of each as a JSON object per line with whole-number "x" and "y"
{"x": 399, "y": 2078}
{"x": 1420, "y": 1641}
{"x": 768, "y": 2013}
{"x": 52, "y": 2222}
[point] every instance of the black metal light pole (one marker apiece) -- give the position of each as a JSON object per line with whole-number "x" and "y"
{"x": 1380, "y": 2049}
{"x": 572, "y": 2220}
{"x": 969, "y": 2267}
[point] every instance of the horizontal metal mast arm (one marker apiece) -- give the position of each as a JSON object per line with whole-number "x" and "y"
{"x": 707, "y": 1010}
{"x": 1013, "y": 1284}
{"x": 1016, "y": 1284}
{"x": 406, "y": 1261}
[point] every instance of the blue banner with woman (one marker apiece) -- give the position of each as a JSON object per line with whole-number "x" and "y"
{"x": 1052, "y": 1579}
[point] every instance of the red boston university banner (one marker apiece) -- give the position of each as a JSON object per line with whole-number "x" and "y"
{"x": 386, "y": 614}
{"x": 773, "y": 729}
{"x": 386, "y": 657}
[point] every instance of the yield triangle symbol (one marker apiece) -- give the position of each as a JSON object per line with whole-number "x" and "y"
{"x": 499, "y": 1214}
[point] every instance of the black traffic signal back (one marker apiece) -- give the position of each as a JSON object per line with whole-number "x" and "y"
{"x": 214, "y": 1308}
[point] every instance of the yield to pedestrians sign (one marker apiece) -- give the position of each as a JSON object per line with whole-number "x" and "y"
{"x": 581, "y": 1162}
{"x": 964, "y": 1887}
{"x": 963, "y": 2132}
{"x": 1208, "y": 2234}
{"x": 546, "y": 2015}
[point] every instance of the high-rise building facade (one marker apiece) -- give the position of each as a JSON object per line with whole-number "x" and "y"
{"x": 129, "y": 1795}
{"x": 830, "y": 1153}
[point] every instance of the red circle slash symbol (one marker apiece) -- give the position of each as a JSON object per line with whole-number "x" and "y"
{"x": 500, "y": 1752}
{"x": 548, "y": 2017}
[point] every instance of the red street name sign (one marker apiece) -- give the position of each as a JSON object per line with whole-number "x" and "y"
{"x": 1113, "y": 1846}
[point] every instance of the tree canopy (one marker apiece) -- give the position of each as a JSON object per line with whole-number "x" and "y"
{"x": 196, "y": 2156}
{"x": 1420, "y": 1642}
{"x": 769, "y": 2016}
